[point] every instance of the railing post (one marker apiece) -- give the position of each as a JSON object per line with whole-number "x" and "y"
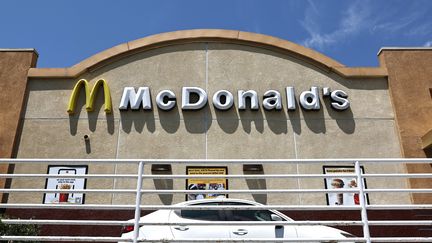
{"x": 362, "y": 198}
{"x": 138, "y": 202}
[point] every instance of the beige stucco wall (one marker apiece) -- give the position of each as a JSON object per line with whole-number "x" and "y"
{"x": 366, "y": 130}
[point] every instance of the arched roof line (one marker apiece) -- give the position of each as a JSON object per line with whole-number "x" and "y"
{"x": 184, "y": 36}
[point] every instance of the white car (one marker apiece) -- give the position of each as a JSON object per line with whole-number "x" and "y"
{"x": 182, "y": 224}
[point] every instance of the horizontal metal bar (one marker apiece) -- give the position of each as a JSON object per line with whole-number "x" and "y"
{"x": 70, "y": 206}
{"x": 107, "y": 222}
{"x": 358, "y": 239}
{"x": 257, "y": 240}
{"x": 22, "y": 190}
{"x": 133, "y": 176}
{"x": 267, "y": 176}
{"x": 169, "y": 207}
{"x": 401, "y": 239}
{"x": 116, "y": 239}
{"x": 259, "y": 191}
{"x": 314, "y": 222}
{"x": 65, "y": 222}
{"x": 414, "y": 190}
{"x": 413, "y": 175}
{"x": 400, "y": 222}
{"x": 126, "y": 176}
{"x": 221, "y": 161}
{"x": 263, "y": 176}
{"x": 65, "y": 238}
{"x": 309, "y": 222}
{"x": 155, "y": 191}
{"x": 268, "y": 207}
{"x": 398, "y": 206}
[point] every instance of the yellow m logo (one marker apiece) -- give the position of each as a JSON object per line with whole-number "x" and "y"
{"x": 90, "y": 95}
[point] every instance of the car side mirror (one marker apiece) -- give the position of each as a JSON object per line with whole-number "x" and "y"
{"x": 275, "y": 217}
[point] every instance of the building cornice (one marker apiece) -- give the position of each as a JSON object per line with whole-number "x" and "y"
{"x": 207, "y": 35}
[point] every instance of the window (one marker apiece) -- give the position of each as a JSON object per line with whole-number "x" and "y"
{"x": 247, "y": 215}
{"x": 226, "y": 214}
{"x": 209, "y": 215}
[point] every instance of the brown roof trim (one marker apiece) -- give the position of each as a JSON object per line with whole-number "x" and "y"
{"x": 415, "y": 48}
{"x": 186, "y": 36}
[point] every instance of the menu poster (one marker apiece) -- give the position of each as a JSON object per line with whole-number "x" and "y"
{"x": 65, "y": 183}
{"x": 342, "y": 182}
{"x": 206, "y": 183}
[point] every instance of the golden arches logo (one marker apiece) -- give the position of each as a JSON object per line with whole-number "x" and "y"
{"x": 90, "y": 95}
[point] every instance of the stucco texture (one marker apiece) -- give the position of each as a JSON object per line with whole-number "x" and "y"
{"x": 365, "y": 130}
{"x": 410, "y": 87}
{"x": 14, "y": 65}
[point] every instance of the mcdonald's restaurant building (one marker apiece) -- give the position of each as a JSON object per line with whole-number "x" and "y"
{"x": 215, "y": 94}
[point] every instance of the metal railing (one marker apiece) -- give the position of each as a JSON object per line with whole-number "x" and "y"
{"x": 363, "y": 207}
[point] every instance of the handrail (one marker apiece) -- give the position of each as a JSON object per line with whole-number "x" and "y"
{"x": 140, "y": 190}
{"x": 168, "y": 207}
{"x": 269, "y": 176}
{"x": 308, "y": 222}
{"x": 220, "y": 161}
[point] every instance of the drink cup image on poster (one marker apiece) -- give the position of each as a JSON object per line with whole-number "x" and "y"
{"x": 342, "y": 182}
{"x": 216, "y": 184}
{"x": 65, "y": 183}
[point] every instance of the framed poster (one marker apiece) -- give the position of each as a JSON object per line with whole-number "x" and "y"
{"x": 66, "y": 184}
{"x": 349, "y": 182}
{"x": 206, "y": 183}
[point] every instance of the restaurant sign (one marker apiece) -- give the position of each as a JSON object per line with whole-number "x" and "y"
{"x": 196, "y": 98}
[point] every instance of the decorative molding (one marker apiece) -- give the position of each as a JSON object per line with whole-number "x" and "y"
{"x": 207, "y": 35}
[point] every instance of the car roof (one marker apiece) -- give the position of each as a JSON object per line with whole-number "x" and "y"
{"x": 217, "y": 200}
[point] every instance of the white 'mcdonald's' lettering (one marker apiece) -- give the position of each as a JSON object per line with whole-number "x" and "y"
{"x": 195, "y": 98}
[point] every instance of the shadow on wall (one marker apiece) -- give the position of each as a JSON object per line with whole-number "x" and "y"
{"x": 315, "y": 119}
{"x": 200, "y": 121}
{"x": 138, "y": 120}
{"x": 257, "y": 184}
{"x": 163, "y": 184}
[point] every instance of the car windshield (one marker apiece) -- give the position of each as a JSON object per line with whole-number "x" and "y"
{"x": 226, "y": 214}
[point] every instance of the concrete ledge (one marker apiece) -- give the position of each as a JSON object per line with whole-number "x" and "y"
{"x": 421, "y": 48}
{"x": 426, "y": 140}
{"x": 359, "y": 72}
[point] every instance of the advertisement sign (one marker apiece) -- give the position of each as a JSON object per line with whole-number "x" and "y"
{"x": 206, "y": 183}
{"x": 349, "y": 182}
{"x": 64, "y": 183}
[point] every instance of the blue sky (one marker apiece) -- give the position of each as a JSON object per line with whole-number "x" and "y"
{"x": 351, "y": 32}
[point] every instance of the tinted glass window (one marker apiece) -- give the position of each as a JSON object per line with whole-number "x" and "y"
{"x": 250, "y": 215}
{"x": 247, "y": 215}
{"x": 209, "y": 215}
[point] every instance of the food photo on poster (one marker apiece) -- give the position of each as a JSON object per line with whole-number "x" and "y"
{"x": 206, "y": 183}
{"x": 342, "y": 182}
{"x": 65, "y": 183}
